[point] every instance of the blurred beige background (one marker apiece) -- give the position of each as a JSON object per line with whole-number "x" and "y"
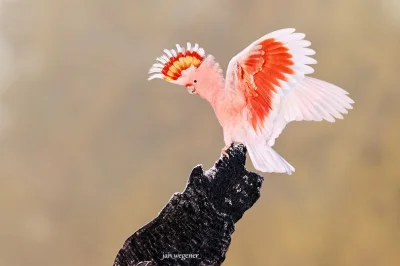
{"x": 90, "y": 151}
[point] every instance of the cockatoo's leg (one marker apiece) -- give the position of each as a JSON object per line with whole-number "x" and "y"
{"x": 228, "y": 142}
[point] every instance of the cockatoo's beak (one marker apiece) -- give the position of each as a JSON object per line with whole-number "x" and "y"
{"x": 191, "y": 90}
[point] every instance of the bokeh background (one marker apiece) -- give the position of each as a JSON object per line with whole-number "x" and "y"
{"x": 90, "y": 151}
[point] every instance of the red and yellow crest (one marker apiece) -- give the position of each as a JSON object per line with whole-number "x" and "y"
{"x": 171, "y": 65}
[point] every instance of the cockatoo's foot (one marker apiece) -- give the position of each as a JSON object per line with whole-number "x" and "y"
{"x": 224, "y": 149}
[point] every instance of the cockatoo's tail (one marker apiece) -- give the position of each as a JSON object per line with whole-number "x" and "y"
{"x": 266, "y": 87}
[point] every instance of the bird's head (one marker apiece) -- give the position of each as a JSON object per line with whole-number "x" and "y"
{"x": 190, "y": 68}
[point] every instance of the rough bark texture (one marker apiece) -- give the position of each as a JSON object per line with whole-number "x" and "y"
{"x": 195, "y": 226}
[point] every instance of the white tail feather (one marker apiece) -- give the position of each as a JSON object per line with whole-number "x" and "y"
{"x": 265, "y": 159}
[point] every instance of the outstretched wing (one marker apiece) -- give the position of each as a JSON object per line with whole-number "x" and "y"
{"x": 266, "y": 73}
{"x": 310, "y": 100}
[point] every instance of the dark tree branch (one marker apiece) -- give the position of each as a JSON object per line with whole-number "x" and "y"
{"x": 195, "y": 226}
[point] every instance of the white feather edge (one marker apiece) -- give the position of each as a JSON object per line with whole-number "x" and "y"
{"x": 297, "y": 47}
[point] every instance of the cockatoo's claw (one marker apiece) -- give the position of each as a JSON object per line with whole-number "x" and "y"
{"x": 224, "y": 149}
{"x": 225, "y": 154}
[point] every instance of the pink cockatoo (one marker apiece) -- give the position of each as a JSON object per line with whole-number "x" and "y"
{"x": 265, "y": 88}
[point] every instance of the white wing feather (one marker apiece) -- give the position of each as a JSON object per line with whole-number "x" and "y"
{"x": 310, "y": 100}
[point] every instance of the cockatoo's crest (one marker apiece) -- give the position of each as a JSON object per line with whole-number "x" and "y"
{"x": 174, "y": 64}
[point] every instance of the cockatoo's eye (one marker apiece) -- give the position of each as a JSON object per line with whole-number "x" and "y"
{"x": 191, "y": 89}
{"x": 195, "y": 81}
